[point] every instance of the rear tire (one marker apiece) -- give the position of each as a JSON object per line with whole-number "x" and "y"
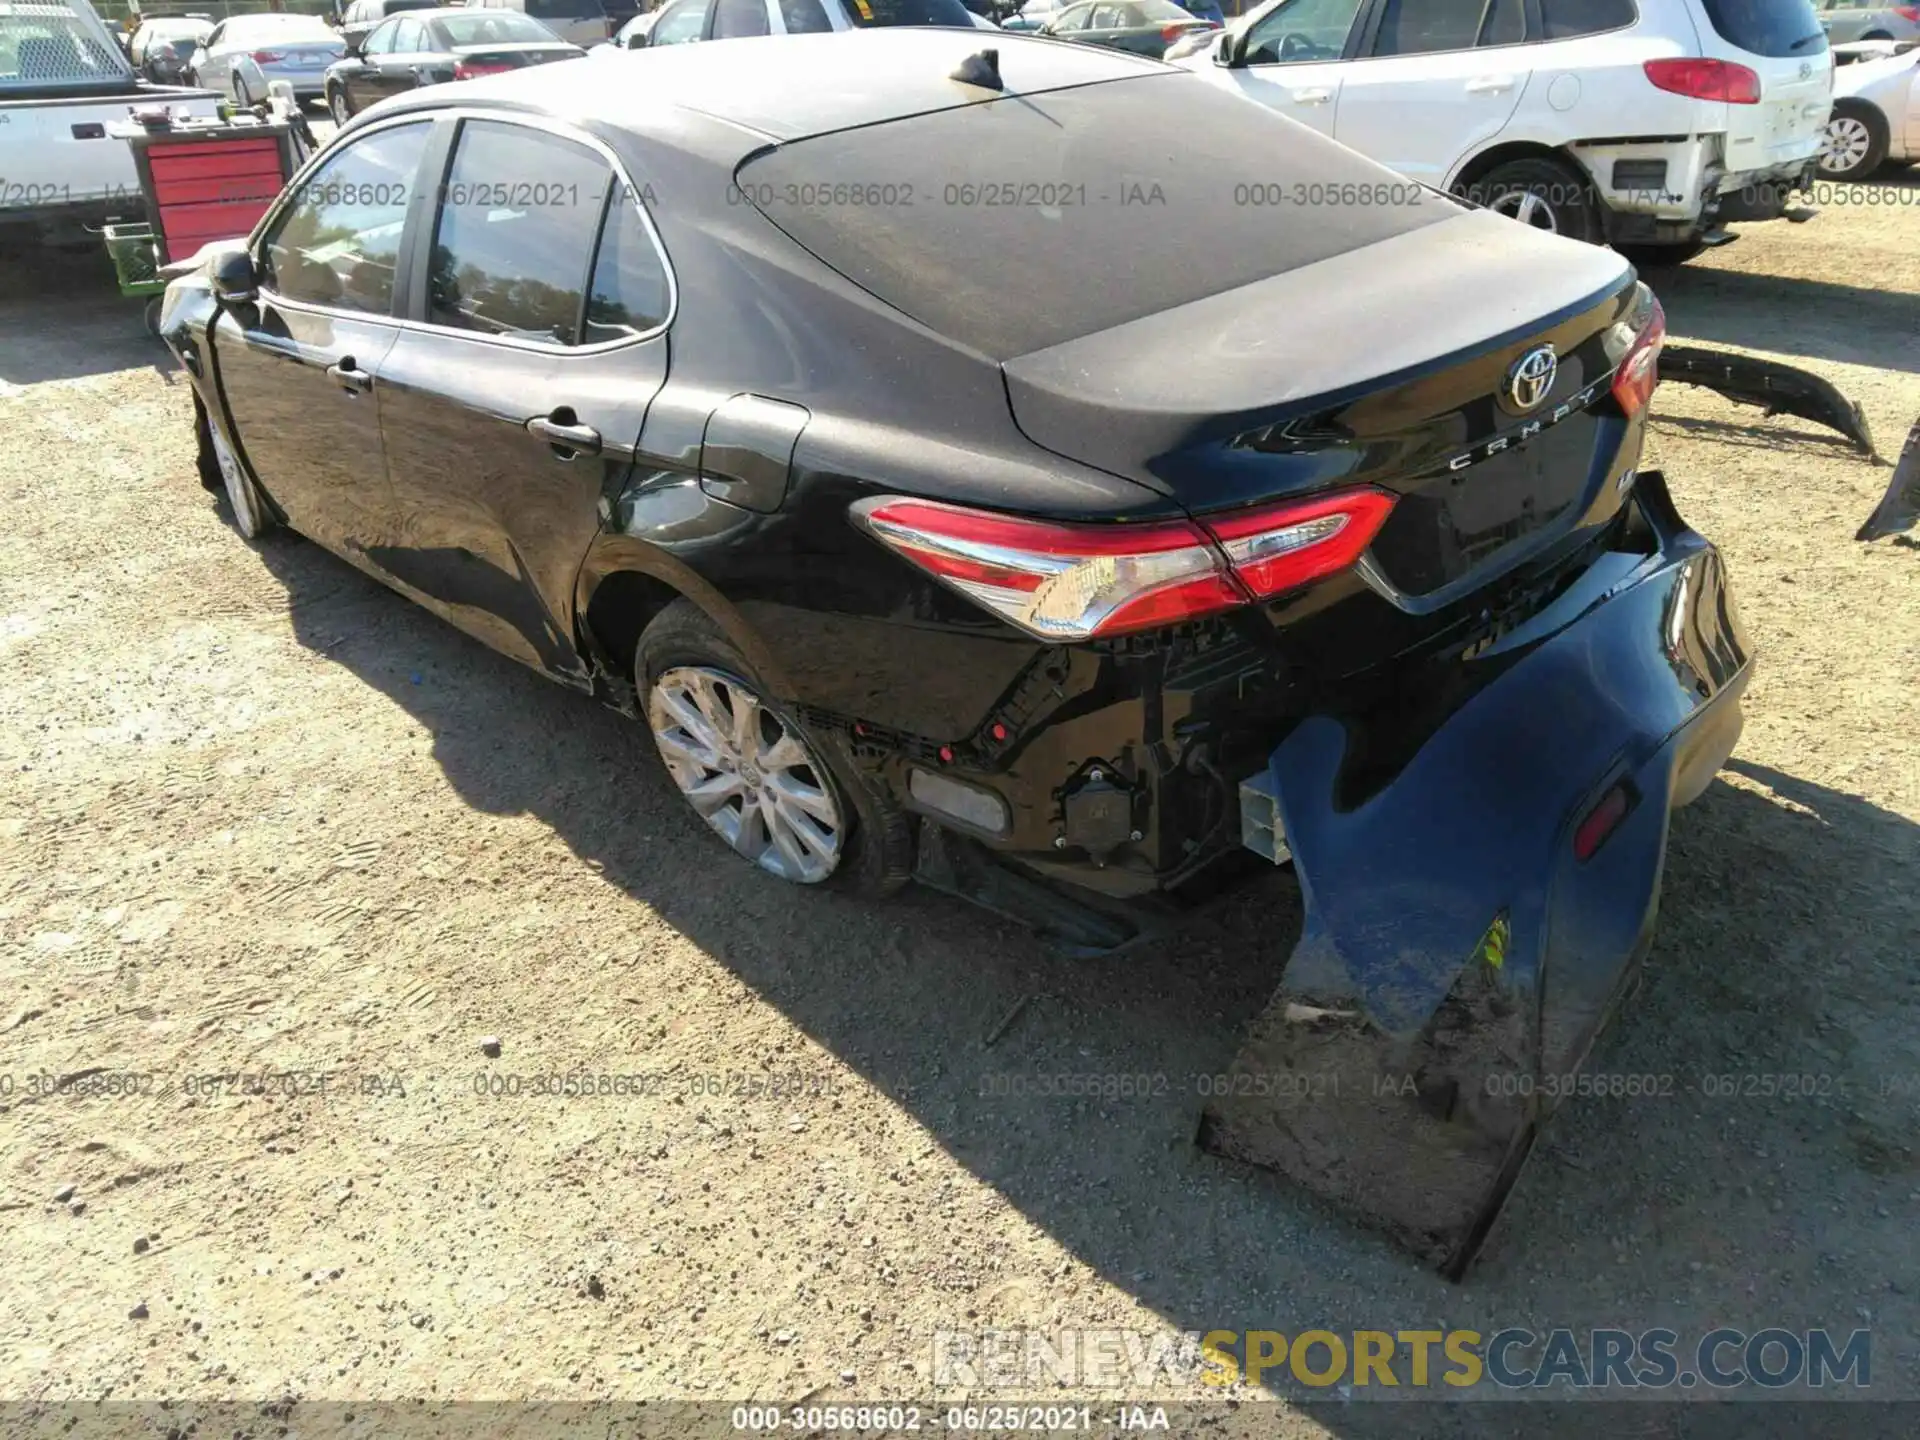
{"x": 789, "y": 800}
{"x": 1543, "y": 193}
{"x": 1855, "y": 142}
{"x": 241, "y": 97}
{"x": 337, "y": 106}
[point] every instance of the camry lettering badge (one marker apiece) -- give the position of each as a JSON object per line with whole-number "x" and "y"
{"x": 1530, "y": 379}
{"x": 1572, "y": 405}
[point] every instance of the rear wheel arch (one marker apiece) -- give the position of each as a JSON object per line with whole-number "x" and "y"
{"x": 1554, "y": 174}
{"x": 626, "y": 583}
{"x": 1476, "y": 166}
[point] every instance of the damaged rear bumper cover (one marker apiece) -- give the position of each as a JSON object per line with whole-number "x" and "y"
{"x": 1472, "y": 925}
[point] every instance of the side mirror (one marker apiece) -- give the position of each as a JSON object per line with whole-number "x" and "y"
{"x": 1232, "y": 50}
{"x": 234, "y": 281}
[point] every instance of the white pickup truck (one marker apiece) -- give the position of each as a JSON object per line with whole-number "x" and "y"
{"x": 63, "y": 83}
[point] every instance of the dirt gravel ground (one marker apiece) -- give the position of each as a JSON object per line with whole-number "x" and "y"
{"x": 258, "y": 814}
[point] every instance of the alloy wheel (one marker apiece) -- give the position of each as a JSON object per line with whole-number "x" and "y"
{"x": 1845, "y": 145}
{"x": 242, "y": 498}
{"x": 337, "y": 104}
{"x": 1527, "y": 207}
{"x": 747, "y": 772}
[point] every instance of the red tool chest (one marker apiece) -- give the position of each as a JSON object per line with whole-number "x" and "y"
{"x": 209, "y": 181}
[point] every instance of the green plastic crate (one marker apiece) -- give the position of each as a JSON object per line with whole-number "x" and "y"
{"x": 136, "y": 258}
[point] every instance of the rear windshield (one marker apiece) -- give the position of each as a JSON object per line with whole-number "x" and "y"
{"x": 492, "y": 27}
{"x": 1016, "y": 224}
{"x": 1774, "y": 28}
{"x": 57, "y": 46}
{"x": 869, "y": 13}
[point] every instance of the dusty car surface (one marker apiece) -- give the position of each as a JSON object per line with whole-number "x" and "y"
{"x": 694, "y": 379}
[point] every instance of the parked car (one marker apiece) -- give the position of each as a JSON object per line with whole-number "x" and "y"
{"x": 1649, "y": 124}
{"x": 294, "y": 48}
{"x": 359, "y": 18}
{"x": 1849, "y": 20}
{"x": 682, "y": 20}
{"x": 1144, "y": 27}
{"x": 160, "y": 49}
{"x": 63, "y": 82}
{"x": 1061, "y": 604}
{"x": 1032, "y": 15}
{"x": 431, "y": 47}
{"x": 1876, "y": 115}
{"x": 674, "y": 23}
{"x": 583, "y": 22}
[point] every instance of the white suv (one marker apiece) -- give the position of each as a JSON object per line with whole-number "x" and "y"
{"x": 1648, "y": 124}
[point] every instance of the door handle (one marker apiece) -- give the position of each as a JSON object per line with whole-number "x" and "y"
{"x": 351, "y": 379}
{"x": 580, "y": 439}
{"x": 1490, "y": 85}
{"x": 1317, "y": 95}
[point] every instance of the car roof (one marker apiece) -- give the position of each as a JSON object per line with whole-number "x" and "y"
{"x": 790, "y": 87}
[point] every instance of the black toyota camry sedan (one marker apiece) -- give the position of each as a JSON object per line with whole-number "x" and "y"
{"x": 1030, "y": 471}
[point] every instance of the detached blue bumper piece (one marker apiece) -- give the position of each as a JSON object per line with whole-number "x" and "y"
{"x": 1473, "y": 921}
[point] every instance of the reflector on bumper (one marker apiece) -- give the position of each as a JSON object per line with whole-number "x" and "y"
{"x": 1458, "y": 949}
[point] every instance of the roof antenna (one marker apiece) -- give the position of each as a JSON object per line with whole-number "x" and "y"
{"x": 981, "y": 68}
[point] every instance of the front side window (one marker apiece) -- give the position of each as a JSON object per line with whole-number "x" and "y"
{"x": 1074, "y": 19}
{"x": 380, "y": 42}
{"x": 1302, "y": 30}
{"x": 338, "y": 241}
{"x": 682, "y": 22}
{"x": 515, "y": 233}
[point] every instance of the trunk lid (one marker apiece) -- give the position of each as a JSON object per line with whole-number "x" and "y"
{"x": 1345, "y": 372}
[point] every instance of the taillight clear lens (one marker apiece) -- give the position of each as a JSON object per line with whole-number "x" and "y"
{"x": 1702, "y": 79}
{"x": 1065, "y": 582}
{"x": 1278, "y": 548}
{"x": 1639, "y": 368}
{"x": 1078, "y": 582}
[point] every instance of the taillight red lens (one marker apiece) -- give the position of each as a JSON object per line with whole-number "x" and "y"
{"x": 1076, "y": 582}
{"x": 269, "y": 57}
{"x": 1702, "y": 79}
{"x": 1908, "y": 12}
{"x": 1601, "y": 821}
{"x": 474, "y": 69}
{"x": 1639, "y": 369}
{"x": 1173, "y": 32}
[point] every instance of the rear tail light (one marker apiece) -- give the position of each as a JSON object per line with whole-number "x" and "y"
{"x": 1706, "y": 80}
{"x": 269, "y": 57}
{"x": 1908, "y": 12}
{"x": 1173, "y": 32}
{"x": 474, "y": 69}
{"x": 1079, "y": 582}
{"x": 1639, "y": 368}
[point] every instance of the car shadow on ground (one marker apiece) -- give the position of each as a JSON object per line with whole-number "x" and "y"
{"x": 1782, "y": 897}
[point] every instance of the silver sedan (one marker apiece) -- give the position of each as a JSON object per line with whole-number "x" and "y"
{"x": 247, "y": 52}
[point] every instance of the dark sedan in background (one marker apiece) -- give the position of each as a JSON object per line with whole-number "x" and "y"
{"x": 697, "y": 378}
{"x": 431, "y": 47}
{"x": 160, "y": 49}
{"x": 1143, "y": 27}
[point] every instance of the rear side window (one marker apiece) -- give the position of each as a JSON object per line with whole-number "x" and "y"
{"x": 866, "y": 14}
{"x": 515, "y": 232}
{"x": 1113, "y": 201}
{"x": 628, "y": 293}
{"x": 1422, "y": 27}
{"x": 737, "y": 19}
{"x": 1773, "y": 28}
{"x": 804, "y": 17}
{"x": 1564, "y": 19}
